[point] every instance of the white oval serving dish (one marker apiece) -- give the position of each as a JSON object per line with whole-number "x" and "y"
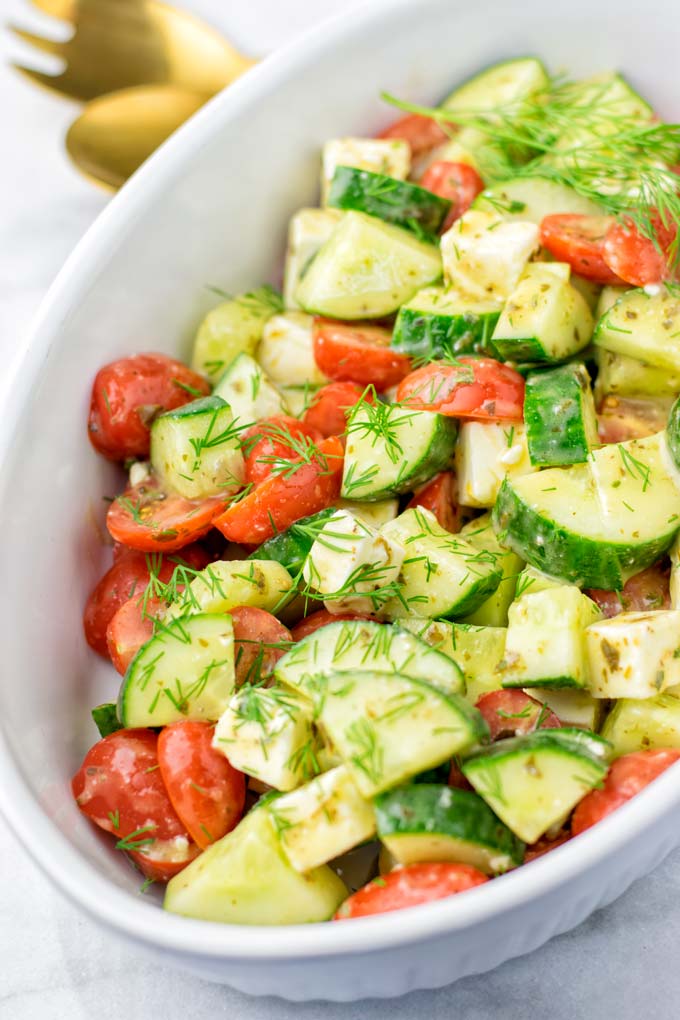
{"x": 212, "y": 207}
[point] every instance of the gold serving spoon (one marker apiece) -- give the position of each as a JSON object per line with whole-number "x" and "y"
{"x": 116, "y": 133}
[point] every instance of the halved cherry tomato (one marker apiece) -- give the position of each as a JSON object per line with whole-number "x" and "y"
{"x": 273, "y": 443}
{"x": 626, "y": 777}
{"x": 409, "y": 887}
{"x": 636, "y": 259}
{"x": 440, "y": 495}
{"x": 131, "y": 627}
{"x": 164, "y": 859}
{"x": 128, "y": 394}
{"x": 207, "y": 793}
{"x": 456, "y": 778}
{"x": 622, "y": 418}
{"x": 153, "y": 520}
{"x": 509, "y": 713}
{"x": 579, "y": 240}
{"x": 280, "y": 500}
{"x": 315, "y": 621}
{"x": 128, "y": 575}
{"x": 327, "y": 411}
{"x": 477, "y": 388}
{"x": 421, "y": 133}
{"x": 650, "y": 589}
{"x": 120, "y": 788}
{"x": 259, "y": 642}
{"x": 544, "y": 846}
{"x": 359, "y": 353}
{"x": 458, "y": 182}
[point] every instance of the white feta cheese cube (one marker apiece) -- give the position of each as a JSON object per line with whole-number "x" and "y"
{"x": 391, "y": 156}
{"x": 484, "y": 255}
{"x": 634, "y": 655}
{"x": 485, "y": 453}
{"x": 308, "y": 230}
{"x": 267, "y": 733}
{"x": 348, "y": 561}
{"x": 286, "y": 351}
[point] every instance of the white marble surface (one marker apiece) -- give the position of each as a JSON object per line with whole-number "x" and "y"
{"x": 54, "y": 963}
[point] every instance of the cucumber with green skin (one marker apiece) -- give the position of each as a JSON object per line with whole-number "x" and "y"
{"x": 637, "y": 724}
{"x": 644, "y": 325}
{"x": 532, "y": 782}
{"x": 532, "y": 198}
{"x": 400, "y": 202}
{"x": 437, "y": 823}
{"x": 476, "y": 650}
{"x": 105, "y": 718}
{"x": 560, "y": 418}
{"x": 501, "y": 84}
{"x": 673, "y": 433}
{"x": 440, "y": 323}
{"x": 623, "y": 376}
{"x": 291, "y": 547}
{"x": 391, "y": 450}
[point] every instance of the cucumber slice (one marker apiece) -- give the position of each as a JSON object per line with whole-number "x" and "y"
{"x": 442, "y": 574}
{"x": 249, "y": 392}
{"x": 500, "y": 85}
{"x": 291, "y": 547}
{"x": 219, "y": 885}
{"x": 391, "y": 156}
{"x": 233, "y": 328}
{"x": 440, "y": 323}
{"x": 484, "y": 256}
{"x": 594, "y": 524}
{"x": 400, "y": 202}
{"x": 636, "y": 725}
{"x": 225, "y": 584}
{"x": 623, "y": 376}
{"x": 532, "y": 198}
{"x": 374, "y": 514}
{"x": 388, "y": 728}
{"x": 673, "y": 433}
{"x": 634, "y": 655}
{"x": 184, "y": 672}
{"x": 267, "y": 733}
{"x": 323, "y": 819}
{"x": 487, "y": 452}
{"x": 363, "y": 645}
{"x": 391, "y": 449}
{"x": 644, "y": 324}
{"x": 544, "y": 319}
{"x": 437, "y": 823}
{"x": 475, "y": 650}
{"x": 307, "y": 231}
{"x": 559, "y": 411}
{"x": 493, "y": 612}
{"x": 105, "y": 718}
{"x": 532, "y": 782}
{"x": 545, "y": 644}
{"x": 367, "y": 269}
{"x": 195, "y": 449}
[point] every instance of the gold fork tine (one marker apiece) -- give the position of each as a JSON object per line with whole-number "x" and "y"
{"x": 54, "y": 82}
{"x": 63, "y": 9}
{"x": 51, "y": 46}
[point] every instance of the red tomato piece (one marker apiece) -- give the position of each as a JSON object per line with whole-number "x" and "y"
{"x": 163, "y": 861}
{"x": 626, "y": 777}
{"x": 207, "y": 793}
{"x": 458, "y": 182}
{"x": 260, "y": 641}
{"x": 456, "y": 778}
{"x": 440, "y": 495}
{"x": 315, "y": 621}
{"x": 128, "y": 394}
{"x": 128, "y": 575}
{"x": 422, "y": 133}
{"x": 280, "y": 500}
{"x": 622, "y": 418}
{"x": 120, "y": 788}
{"x": 359, "y": 353}
{"x": 477, "y": 388}
{"x": 509, "y": 713}
{"x": 327, "y": 412}
{"x": 409, "y": 887}
{"x": 131, "y": 627}
{"x": 579, "y": 240}
{"x": 636, "y": 259}
{"x": 273, "y": 443}
{"x": 544, "y": 846}
{"x": 152, "y": 520}
{"x": 650, "y": 589}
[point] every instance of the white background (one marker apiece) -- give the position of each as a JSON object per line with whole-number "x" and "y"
{"x": 54, "y": 964}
